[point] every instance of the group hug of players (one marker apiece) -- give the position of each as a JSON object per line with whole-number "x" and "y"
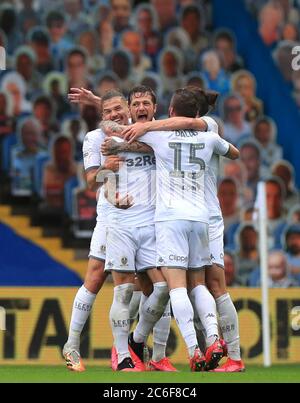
{"x": 159, "y": 231}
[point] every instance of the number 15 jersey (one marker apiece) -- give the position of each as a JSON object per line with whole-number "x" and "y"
{"x": 182, "y": 159}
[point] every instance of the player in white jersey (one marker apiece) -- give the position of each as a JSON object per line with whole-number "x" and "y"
{"x": 95, "y": 275}
{"x": 130, "y": 248}
{"x": 144, "y": 113}
{"x": 115, "y": 109}
{"x": 182, "y": 193}
{"x": 142, "y": 104}
{"x": 208, "y": 316}
{"x": 137, "y": 337}
{"x": 214, "y": 278}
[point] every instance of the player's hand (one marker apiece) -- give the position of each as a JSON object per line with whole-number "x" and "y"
{"x": 82, "y": 96}
{"x": 110, "y": 146}
{"x": 113, "y": 163}
{"x": 123, "y": 202}
{"x": 133, "y": 132}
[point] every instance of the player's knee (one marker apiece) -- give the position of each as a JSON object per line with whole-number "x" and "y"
{"x": 146, "y": 284}
{"x": 123, "y": 293}
{"x": 161, "y": 291}
{"x": 95, "y": 276}
{"x": 215, "y": 287}
{"x": 95, "y": 283}
{"x": 95, "y": 268}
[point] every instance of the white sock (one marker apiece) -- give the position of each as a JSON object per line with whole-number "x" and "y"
{"x": 151, "y": 311}
{"x": 198, "y": 325}
{"x": 229, "y": 325}
{"x": 184, "y": 316}
{"x": 200, "y": 331}
{"x": 134, "y": 305}
{"x": 82, "y": 306}
{"x": 142, "y": 301}
{"x": 119, "y": 318}
{"x": 161, "y": 333}
{"x": 206, "y": 309}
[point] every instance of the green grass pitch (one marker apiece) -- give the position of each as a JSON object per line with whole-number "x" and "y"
{"x": 93, "y": 374}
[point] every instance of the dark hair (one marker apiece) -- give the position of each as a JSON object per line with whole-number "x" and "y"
{"x": 113, "y": 94}
{"x": 54, "y": 16}
{"x": 206, "y": 99}
{"x": 43, "y": 99}
{"x": 39, "y": 35}
{"x": 191, "y": 9}
{"x": 151, "y": 82}
{"x": 77, "y": 51}
{"x": 195, "y": 79}
{"x": 251, "y": 144}
{"x": 185, "y": 103}
{"x": 227, "y": 180}
{"x": 142, "y": 89}
{"x": 293, "y": 229}
{"x": 107, "y": 76}
{"x": 264, "y": 120}
{"x": 120, "y": 59}
{"x": 225, "y": 34}
{"x": 247, "y": 227}
{"x": 61, "y": 140}
{"x": 8, "y": 18}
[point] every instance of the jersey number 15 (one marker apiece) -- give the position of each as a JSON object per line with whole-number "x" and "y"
{"x": 192, "y": 159}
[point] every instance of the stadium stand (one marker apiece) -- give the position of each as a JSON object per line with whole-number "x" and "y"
{"x": 32, "y": 265}
{"x": 231, "y": 50}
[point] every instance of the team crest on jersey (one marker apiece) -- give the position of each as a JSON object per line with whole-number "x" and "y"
{"x": 103, "y": 248}
{"x": 124, "y": 261}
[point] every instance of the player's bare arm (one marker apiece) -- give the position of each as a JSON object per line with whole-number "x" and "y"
{"x": 83, "y": 96}
{"x": 110, "y": 146}
{"x": 233, "y": 153}
{"x": 138, "y": 129}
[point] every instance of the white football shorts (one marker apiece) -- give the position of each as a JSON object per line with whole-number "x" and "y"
{"x": 182, "y": 244}
{"x": 216, "y": 240}
{"x": 98, "y": 242}
{"x": 130, "y": 249}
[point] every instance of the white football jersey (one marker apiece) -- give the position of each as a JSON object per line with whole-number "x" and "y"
{"x": 136, "y": 177}
{"x": 182, "y": 159}
{"x": 211, "y": 179}
{"x": 91, "y": 149}
{"x": 92, "y": 159}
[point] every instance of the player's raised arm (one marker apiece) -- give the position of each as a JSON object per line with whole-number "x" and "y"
{"x": 137, "y": 130}
{"x": 113, "y": 145}
{"x": 83, "y": 96}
